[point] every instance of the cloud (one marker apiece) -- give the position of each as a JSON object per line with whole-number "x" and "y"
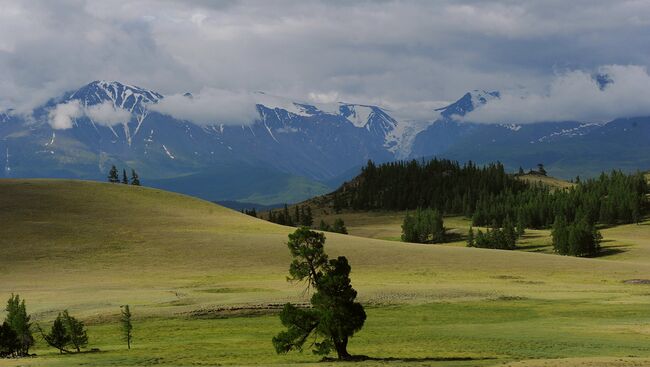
{"x": 107, "y": 114}
{"x": 360, "y": 51}
{"x": 575, "y": 96}
{"x": 61, "y": 116}
{"x": 210, "y": 106}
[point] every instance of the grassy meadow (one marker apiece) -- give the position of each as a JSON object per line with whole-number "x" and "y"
{"x": 205, "y": 284}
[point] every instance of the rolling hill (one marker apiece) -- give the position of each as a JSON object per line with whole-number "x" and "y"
{"x": 197, "y": 274}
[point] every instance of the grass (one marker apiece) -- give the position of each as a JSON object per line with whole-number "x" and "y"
{"x": 549, "y": 181}
{"x": 205, "y": 282}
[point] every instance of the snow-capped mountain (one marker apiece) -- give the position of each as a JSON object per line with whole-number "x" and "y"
{"x": 115, "y": 123}
{"x": 467, "y": 103}
{"x": 124, "y": 96}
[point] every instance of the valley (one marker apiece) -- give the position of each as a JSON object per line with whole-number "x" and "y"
{"x": 203, "y": 280}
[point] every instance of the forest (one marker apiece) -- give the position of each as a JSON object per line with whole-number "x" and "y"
{"x": 492, "y": 197}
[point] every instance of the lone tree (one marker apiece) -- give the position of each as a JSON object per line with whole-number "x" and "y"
{"x": 125, "y": 180}
{"x": 113, "y": 176}
{"x": 334, "y": 316}
{"x": 18, "y": 319}
{"x": 127, "y": 327}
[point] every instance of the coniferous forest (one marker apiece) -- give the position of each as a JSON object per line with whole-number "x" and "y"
{"x": 492, "y": 197}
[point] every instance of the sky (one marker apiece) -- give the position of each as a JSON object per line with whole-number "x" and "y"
{"x": 407, "y": 56}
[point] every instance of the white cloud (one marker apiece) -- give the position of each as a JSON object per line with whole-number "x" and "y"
{"x": 61, "y": 116}
{"x": 326, "y": 97}
{"x": 575, "y": 96}
{"x": 107, "y": 114}
{"x": 211, "y": 106}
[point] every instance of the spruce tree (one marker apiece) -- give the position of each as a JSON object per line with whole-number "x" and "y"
{"x": 296, "y": 215}
{"x": 339, "y": 226}
{"x": 309, "y": 219}
{"x": 76, "y": 330}
{"x": 9, "y": 344}
{"x": 287, "y": 217}
{"x": 324, "y": 226}
{"x": 58, "y": 336}
{"x": 125, "y": 180}
{"x": 135, "y": 179}
{"x": 19, "y": 321}
{"x": 127, "y": 326}
{"x": 113, "y": 175}
{"x": 470, "y": 237}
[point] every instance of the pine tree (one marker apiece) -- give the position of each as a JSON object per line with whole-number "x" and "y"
{"x": 296, "y": 215}
{"x": 509, "y": 232}
{"x": 113, "y": 175}
{"x": 324, "y": 226}
{"x": 135, "y": 179}
{"x": 560, "y": 235}
{"x": 58, "y": 337}
{"x": 125, "y": 180}
{"x": 9, "y": 344}
{"x": 287, "y": 217}
{"x": 76, "y": 330}
{"x": 335, "y": 316}
{"x": 339, "y": 226}
{"x": 127, "y": 326}
{"x": 470, "y": 237}
{"x": 309, "y": 219}
{"x": 19, "y": 321}
{"x": 521, "y": 226}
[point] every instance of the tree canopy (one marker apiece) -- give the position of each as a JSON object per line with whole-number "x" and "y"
{"x": 335, "y": 315}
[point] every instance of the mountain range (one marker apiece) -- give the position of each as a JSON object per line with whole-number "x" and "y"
{"x": 293, "y": 150}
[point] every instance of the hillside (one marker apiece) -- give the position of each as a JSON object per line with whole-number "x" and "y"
{"x": 549, "y": 181}
{"x": 91, "y": 247}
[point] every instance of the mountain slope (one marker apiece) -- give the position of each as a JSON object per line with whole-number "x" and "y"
{"x": 115, "y": 124}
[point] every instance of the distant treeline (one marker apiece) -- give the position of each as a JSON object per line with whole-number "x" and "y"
{"x": 302, "y": 216}
{"x": 440, "y": 184}
{"x": 489, "y": 195}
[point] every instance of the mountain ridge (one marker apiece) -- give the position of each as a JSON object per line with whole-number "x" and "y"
{"x": 319, "y": 141}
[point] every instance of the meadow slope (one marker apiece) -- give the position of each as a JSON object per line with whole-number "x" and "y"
{"x": 204, "y": 281}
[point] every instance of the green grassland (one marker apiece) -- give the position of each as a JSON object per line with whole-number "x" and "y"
{"x": 205, "y": 284}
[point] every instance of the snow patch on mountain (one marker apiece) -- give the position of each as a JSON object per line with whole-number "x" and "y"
{"x": 169, "y": 154}
{"x": 580, "y": 130}
{"x": 513, "y": 127}
{"x": 467, "y": 103}
{"x": 400, "y": 140}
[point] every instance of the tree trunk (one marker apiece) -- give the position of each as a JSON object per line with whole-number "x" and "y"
{"x": 342, "y": 349}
